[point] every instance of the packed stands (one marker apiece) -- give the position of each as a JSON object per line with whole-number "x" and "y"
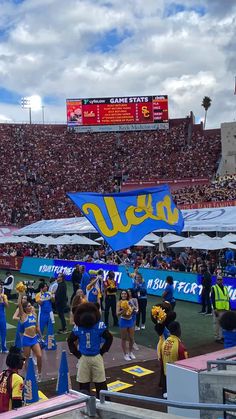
{"x": 41, "y": 163}
{"x": 221, "y": 189}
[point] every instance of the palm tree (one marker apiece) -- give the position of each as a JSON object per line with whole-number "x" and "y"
{"x": 206, "y": 103}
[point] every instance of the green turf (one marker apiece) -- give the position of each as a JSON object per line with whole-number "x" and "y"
{"x": 196, "y": 329}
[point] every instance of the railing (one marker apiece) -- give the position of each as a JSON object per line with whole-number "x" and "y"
{"x": 221, "y": 362}
{"x": 172, "y": 403}
{"x": 89, "y": 400}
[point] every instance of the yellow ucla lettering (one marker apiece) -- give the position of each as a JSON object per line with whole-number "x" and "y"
{"x": 134, "y": 215}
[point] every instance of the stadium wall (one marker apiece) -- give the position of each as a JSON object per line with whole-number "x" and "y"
{"x": 174, "y": 184}
{"x": 228, "y": 142}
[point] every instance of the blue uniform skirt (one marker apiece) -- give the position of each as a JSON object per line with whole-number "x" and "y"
{"x": 126, "y": 323}
{"x": 27, "y": 341}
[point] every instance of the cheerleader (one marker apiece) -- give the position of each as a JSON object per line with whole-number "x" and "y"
{"x": 30, "y": 332}
{"x": 124, "y": 310}
{"x": 44, "y": 299}
{"x": 134, "y": 303}
{"x": 78, "y": 299}
{"x": 20, "y": 328}
{"x": 3, "y": 322}
{"x": 93, "y": 292}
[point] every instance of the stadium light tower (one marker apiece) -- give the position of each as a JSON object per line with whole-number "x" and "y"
{"x": 33, "y": 103}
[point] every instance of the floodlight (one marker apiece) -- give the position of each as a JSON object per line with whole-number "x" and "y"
{"x": 35, "y": 102}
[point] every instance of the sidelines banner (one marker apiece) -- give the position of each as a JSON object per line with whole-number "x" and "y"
{"x": 187, "y": 285}
{"x": 11, "y": 262}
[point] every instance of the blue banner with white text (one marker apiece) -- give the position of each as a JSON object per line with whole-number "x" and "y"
{"x": 187, "y": 286}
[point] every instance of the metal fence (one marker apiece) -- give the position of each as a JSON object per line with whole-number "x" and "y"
{"x": 171, "y": 403}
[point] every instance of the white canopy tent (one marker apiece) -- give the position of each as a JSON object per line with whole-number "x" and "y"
{"x": 143, "y": 243}
{"x": 196, "y": 220}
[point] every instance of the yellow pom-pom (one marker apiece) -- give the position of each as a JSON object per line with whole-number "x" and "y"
{"x": 159, "y": 314}
{"x": 126, "y": 307}
{"x": 92, "y": 272}
{"x": 21, "y": 287}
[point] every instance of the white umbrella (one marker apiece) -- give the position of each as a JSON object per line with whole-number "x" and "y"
{"x": 151, "y": 237}
{"x": 206, "y": 244}
{"x": 49, "y": 240}
{"x": 144, "y": 243}
{"x": 15, "y": 239}
{"x": 75, "y": 239}
{"x": 215, "y": 243}
{"x": 202, "y": 236}
{"x": 189, "y": 242}
{"x": 230, "y": 237}
{"x": 171, "y": 238}
{"x": 99, "y": 239}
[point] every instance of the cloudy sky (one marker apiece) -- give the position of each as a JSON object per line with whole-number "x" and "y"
{"x": 93, "y": 48}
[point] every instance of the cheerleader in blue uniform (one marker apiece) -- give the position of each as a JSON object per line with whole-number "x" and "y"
{"x": 28, "y": 319}
{"x": 124, "y": 310}
{"x": 3, "y": 322}
{"x": 44, "y": 299}
{"x": 20, "y": 328}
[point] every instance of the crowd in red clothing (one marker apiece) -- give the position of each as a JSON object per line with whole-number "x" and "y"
{"x": 221, "y": 189}
{"x": 41, "y": 163}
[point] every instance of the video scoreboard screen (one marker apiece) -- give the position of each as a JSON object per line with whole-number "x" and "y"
{"x": 117, "y": 111}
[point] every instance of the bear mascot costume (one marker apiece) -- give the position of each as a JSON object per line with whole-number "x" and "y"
{"x": 88, "y": 341}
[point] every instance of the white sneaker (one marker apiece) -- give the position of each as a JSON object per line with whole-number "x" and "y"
{"x": 132, "y": 356}
{"x": 127, "y": 357}
{"x": 135, "y": 346}
{"x": 143, "y": 327}
{"x": 34, "y": 360}
{"x": 137, "y": 328}
{"x": 39, "y": 378}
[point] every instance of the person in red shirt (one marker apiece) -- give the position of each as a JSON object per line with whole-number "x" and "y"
{"x": 172, "y": 350}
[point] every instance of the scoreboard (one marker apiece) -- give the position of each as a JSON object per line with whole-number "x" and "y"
{"x": 117, "y": 111}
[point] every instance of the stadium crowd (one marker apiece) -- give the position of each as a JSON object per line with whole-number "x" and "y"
{"x": 189, "y": 260}
{"x": 41, "y": 163}
{"x": 221, "y": 189}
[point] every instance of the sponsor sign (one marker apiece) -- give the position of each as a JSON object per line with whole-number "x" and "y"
{"x": 10, "y": 262}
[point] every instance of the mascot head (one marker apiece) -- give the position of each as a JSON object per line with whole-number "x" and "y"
{"x": 86, "y": 315}
{"x": 228, "y": 320}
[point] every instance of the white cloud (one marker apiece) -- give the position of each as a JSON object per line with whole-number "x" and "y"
{"x": 57, "y": 49}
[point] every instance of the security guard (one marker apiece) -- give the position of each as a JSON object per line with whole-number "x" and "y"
{"x": 220, "y": 304}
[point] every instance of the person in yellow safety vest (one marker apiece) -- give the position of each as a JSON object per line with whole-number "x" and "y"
{"x": 221, "y": 304}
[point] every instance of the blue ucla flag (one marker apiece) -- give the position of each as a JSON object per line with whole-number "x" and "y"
{"x": 124, "y": 218}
